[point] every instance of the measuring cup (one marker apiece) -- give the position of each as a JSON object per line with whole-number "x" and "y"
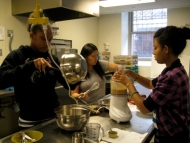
{"x": 80, "y": 137}
{"x": 92, "y": 131}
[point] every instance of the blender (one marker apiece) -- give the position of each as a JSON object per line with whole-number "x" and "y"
{"x": 119, "y": 109}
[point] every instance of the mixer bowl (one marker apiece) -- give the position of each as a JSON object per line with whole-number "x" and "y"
{"x": 74, "y": 67}
{"x": 72, "y": 117}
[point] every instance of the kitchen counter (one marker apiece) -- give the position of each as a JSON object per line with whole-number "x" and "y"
{"x": 140, "y": 123}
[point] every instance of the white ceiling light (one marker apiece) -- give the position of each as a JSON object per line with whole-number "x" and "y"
{"x": 112, "y": 3}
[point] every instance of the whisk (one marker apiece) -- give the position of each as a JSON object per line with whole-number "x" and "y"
{"x": 93, "y": 87}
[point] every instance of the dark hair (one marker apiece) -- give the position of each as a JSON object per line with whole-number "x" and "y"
{"x": 86, "y": 51}
{"x": 174, "y": 37}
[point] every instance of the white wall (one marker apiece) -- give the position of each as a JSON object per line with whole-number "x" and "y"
{"x": 125, "y": 33}
{"x": 179, "y": 17}
{"x": 2, "y": 23}
{"x": 80, "y": 31}
{"x": 9, "y": 22}
{"x": 110, "y": 32}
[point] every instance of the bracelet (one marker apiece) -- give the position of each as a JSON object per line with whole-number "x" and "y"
{"x": 134, "y": 93}
{"x": 136, "y": 77}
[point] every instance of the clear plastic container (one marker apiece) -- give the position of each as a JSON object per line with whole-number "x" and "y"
{"x": 118, "y": 88}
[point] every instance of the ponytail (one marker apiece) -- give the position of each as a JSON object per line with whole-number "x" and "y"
{"x": 185, "y": 33}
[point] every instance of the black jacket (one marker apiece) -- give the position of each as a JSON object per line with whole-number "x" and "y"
{"x": 34, "y": 90}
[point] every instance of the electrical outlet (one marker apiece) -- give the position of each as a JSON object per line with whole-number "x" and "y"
{"x": 9, "y": 33}
{"x": 0, "y": 52}
{"x": 55, "y": 31}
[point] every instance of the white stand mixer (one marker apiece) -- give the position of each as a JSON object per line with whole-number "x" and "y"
{"x": 119, "y": 109}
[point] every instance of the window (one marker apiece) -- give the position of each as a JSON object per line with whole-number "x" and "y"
{"x": 144, "y": 24}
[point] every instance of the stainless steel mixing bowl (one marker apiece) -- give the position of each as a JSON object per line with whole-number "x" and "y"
{"x": 72, "y": 117}
{"x": 74, "y": 67}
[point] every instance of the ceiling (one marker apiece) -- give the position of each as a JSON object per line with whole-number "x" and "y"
{"x": 155, "y": 5}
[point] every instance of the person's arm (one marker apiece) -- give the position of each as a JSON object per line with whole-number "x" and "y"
{"x": 135, "y": 96}
{"x": 14, "y": 69}
{"x": 75, "y": 93}
{"x": 140, "y": 79}
{"x": 112, "y": 66}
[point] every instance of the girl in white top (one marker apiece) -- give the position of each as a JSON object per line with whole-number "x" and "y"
{"x": 96, "y": 73}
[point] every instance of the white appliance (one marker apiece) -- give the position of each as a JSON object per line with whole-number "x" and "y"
{"x": 119, "y": 109}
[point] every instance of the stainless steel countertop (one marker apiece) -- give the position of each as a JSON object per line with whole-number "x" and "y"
{"x": 53, "y": 134}
{"x": 139, "y": 123}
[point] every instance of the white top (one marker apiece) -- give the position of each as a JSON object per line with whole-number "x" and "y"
{"x": 95, "y": 95}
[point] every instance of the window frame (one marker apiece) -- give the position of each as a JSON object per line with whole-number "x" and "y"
{"x": 130, "y": 29}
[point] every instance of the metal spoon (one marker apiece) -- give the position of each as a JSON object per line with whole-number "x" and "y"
{"x": 25, "y": 136}
{"x": 29, "y": 138}
{"x": 23, "y": 140}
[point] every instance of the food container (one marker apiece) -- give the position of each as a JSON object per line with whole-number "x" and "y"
{"x": 37, "y": 135}
{"x": 72, "y": 117}
{"x": 128, "y": 60}
{"x": 112, "y": 134}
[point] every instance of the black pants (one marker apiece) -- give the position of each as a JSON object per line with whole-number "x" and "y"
{"x": 181, "y": 137}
